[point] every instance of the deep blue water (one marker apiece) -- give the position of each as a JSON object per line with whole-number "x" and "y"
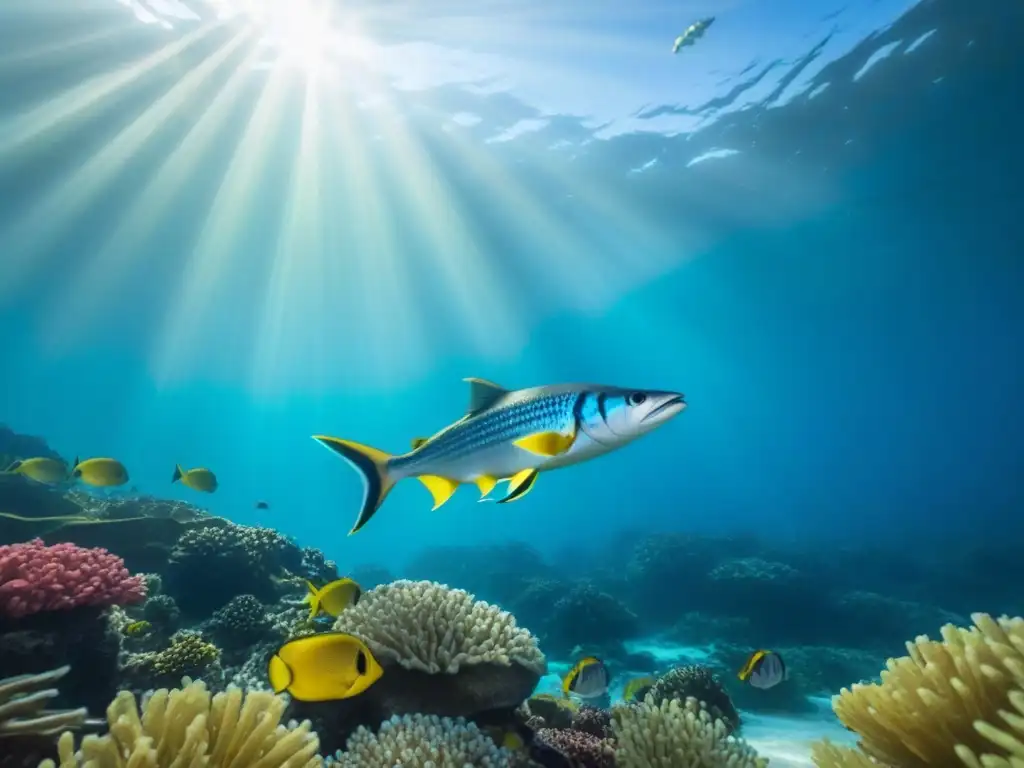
{"x": 209, "y": 268}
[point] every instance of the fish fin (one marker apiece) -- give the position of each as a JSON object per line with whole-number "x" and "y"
{"x": 546, "y": 443}
{"x": 372, "y": 465}
{"x": 279, "y": 674}
{"x": 178, "y": 474}
{"x": 483, "y": 394}
{"x": 520, "y": 485}
{"x": 486, "y": 484}
{"x": 12, "y": 468}
{"x": 418, "y": 441}
{"x": 441, "y": 488}
{"x": 313, "y": 596}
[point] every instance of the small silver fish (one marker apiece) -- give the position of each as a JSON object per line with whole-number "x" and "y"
{"x": 587, "y": 679}
{"x": 692, "y": 33}
{"x": 764, "y": 670}
{"x": 510, "y": 435}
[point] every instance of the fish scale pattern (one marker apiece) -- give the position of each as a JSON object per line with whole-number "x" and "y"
{"x": 507, "y": 422}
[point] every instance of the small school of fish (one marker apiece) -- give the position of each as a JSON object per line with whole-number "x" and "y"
{"x": 512, "y": 436}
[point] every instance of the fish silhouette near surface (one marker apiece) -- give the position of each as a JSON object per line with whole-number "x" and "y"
{"x": 510, "y": 435}
{"x": 692, "y": 33}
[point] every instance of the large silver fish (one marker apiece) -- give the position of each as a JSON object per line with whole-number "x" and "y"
{"x": 510, "y": 435}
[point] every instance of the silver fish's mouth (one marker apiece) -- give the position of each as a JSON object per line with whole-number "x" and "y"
{"x": 675, "y": 404}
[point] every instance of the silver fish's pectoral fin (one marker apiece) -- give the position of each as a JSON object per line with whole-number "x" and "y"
{"x": 486, "y": 484}
{"x": 441, "y": 488}
{"x": 483, "y": 394}
{"x": 520, "y": 485}
{"x": 546, "y": 444}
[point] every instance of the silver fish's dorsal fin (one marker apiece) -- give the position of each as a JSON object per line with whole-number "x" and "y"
{"x": 483, "y": 394}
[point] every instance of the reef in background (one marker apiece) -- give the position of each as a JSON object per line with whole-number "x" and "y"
{"x": 111, "y": 598}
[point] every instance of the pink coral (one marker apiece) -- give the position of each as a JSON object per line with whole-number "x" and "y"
{"x": 35, "y": 577}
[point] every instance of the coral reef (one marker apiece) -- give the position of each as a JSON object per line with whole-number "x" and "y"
{"x": 592, "y": 720}
{"x": 35, "y": 578}
{"x": 958, "y": 700}
{"x": 242, "y": 622}
{"x": 697, "y": 682}
{"x": 587, "y": 615}
{"x": 585, "y": 749}
{"x": 209, "y": 566}
{"x": 677, "y": 734}
{"x": 27, "y": 727}
{"x": 443, "y": 653}
{"x": 423, "y": 741}
{"x": 189, "y": 726}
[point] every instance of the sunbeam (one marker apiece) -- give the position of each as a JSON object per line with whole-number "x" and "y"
{"x": 102, "y": 275}
{"x": 61, "y": 110}
{"x": 30, "y": 237}
{"x": 295, "y": 289}
{"x": 216, "y": 253}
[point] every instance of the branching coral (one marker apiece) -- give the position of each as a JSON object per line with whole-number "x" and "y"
{"x": 677, "y": 734}
{"x": 23, "y": 702}
{"x": 189, "y": 727}
{"x": 435, "y": 629}
{"x": 35, "y": 578}
{"x": 423, "y": 741}
{"x": 947, "y": 700}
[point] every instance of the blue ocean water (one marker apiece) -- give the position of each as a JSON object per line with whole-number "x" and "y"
{"x": 807, "y": 222}
{"x": 227, "y": 226}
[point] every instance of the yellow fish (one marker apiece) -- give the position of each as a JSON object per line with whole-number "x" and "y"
{"x": 637, "y": 688}
{"x": 510, "y": 435}
{"x": 100, "y": 472}
{"x": 40, "y": 469}
{"x": 323, "y": 667}
{"x": 137, "y": 628}
{"x": 333, "y": 598}
{"x": 198, "y": 479}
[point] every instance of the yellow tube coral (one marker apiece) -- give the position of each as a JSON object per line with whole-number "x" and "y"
{"x": 189, "y": 727}
{"x": 950, "y": 702}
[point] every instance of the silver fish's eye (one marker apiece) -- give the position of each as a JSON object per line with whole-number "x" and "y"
{"x": 637, "y": 398}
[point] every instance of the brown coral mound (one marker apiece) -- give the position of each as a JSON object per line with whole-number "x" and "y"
{"x": 584, "y": 749}
{"x": 959, "y": 701}
{"x": 189, "y": 727}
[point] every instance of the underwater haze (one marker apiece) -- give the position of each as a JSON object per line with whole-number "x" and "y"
{"x": 223, "y": 232}
{"x": 288, "y": 288}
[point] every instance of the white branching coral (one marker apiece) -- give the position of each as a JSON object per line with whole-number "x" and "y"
{"x": 433, "y": 628}
{"x": 423, "y": 741}
{"x": 677, "y": 734}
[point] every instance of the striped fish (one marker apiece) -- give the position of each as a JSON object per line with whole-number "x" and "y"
{"x": 764, "y": 670}
{"x": 510, "y": 435}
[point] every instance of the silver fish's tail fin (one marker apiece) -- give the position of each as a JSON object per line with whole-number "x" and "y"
{"x": 372, "y": 465}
